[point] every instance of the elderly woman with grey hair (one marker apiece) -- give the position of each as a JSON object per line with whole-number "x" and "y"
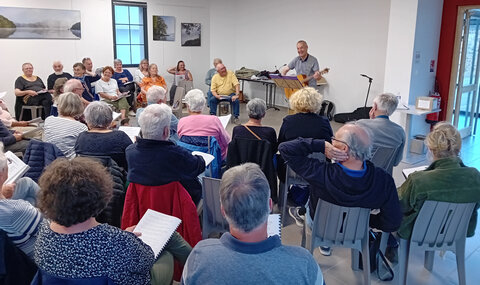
{"x": 100, "y": 140}
{"x": 253, "y": 129}
{"x": 124, "y": 76}
{"x": 64, "y": 130}
{"x": 198, "y": 124}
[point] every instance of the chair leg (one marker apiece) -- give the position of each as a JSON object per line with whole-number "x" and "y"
{"x": 355, "y": 256}
{"x": 21, "y": 115}
{"x": 284, "y": 202}
{"x": 384, "y": 242}
{"x": 428, "y": 263}
{"x": 366, "y": 260}
{"x": 460, "y": 255}
{"x": 403, "y": 252}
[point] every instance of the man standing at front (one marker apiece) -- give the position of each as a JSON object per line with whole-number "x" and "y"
{"x": 305, "y": 64}
{"x": 246, "y": 255}
{"x": 225, "y": 86}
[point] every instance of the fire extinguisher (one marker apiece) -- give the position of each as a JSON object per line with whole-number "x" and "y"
{"x": 433, "y": 118}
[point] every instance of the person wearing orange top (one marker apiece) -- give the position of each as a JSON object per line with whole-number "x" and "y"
{"x": 148, "y": 81}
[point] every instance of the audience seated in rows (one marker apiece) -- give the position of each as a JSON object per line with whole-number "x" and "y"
{"x": 122, "y": 76}
{"x": 225, "y": 86}
{"x": 385, "y": 133}
{"x": 31, "y": 91}
{"x": 246, "y": 255}
{"x": 108, "y": 91}
{"x": 306, "y": 123}
{"x": 58, "y": 73}
{"x": 197, "y": 124}
{"x": 157, "y": 95}
{"x": 154, "y": 160}
{"x": 141, "y": 72}
{"x": 70, "y": 200}
{"x": 352, "y": 182}
{"x": 447, "y": 179}
{"x": 64, "y": 130}
{"x": 100, "y": 140}
{"x": 152, "y": 79}
{"x": 86, "y": 78}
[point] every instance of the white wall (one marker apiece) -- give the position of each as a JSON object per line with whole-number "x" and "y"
{"x": 97, "y": 41}
{"x": 348, "y": 36}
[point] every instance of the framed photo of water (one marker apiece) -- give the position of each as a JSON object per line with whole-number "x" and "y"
{"x": 164, "y": 28}
{"x": 31, "y": 23}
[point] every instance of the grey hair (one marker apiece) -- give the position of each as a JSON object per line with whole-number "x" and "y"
{"x": 69, "y": 104}
{"x": 218, "y": 60}
{"x": 359, "y": 148}
{"x": 70, "y": 85}
{"x": 3, "y": 160}
{"x": 98, "y": 114}
{"x": 155, "y": 94}
{"x": 153, "y": 121}
{"x": 195, "y": 100}
{"x": 386, "y": 102}
{"x": 115, "y": 61}
{"x": 256, "y": 108}
{"x": 244, "y": 195}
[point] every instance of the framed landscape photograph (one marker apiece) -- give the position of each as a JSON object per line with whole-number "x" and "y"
{"x": 163, "y": 28}
{"x": 30, "y": 23}
{"x": 191, "y": 34}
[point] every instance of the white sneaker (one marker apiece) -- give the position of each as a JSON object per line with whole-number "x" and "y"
{"x": 299, "y": 219}
{"x": 325, "y": 250}
{"x": 131, "y": 113}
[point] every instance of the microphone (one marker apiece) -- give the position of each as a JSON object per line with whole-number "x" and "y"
{"x": 366, "y": 76}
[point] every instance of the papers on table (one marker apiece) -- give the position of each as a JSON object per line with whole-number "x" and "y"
{"x": 16, "y": 167}
{"x": 206, "y": 156}
{"x": 224, "y": 120}
{"x": 132, "y": 132}
{"x": 274, "y": 225}
{"x": 156, "y": 229}
{"x": 407, "y": 171}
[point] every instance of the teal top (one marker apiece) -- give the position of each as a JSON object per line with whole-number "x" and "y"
{"x": 445, "y": 180}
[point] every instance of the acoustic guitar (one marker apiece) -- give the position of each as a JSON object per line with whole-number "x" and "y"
{"x": 304, "y": 80}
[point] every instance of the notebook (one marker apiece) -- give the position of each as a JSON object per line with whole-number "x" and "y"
{"x": 407, "y": 171}
{"x": 274, "y": 225}
{"x": 156, "y": 229}
{"x": 16, "y": 167}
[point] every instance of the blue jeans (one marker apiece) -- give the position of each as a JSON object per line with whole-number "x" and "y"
{"x": 26, "y": 189}
{"x": 213, "y": 102}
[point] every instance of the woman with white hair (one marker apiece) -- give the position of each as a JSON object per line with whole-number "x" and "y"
{"x": 64, "y": 130}
{"x": 198, "y": 124}
{"x": 447, "y": 179}
{"x": 100, "y": 140}
{"x": 253, "y": 129}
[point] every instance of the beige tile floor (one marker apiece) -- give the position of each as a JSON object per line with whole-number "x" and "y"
{"x": 336, "y": 268}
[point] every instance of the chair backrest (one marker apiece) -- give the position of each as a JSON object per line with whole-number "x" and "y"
{"x": 440, "y": 224}
{"x": 38, "y": 155}
{"x": 383, "y": 158}
{"x": 207, "y": 144}
{"x": 177, "y": 101}
{"x": 43, "y": 278}
{"x": 340, "y": 226}
{"x": 15, "y": 266}
{"x": 212, "y": 218}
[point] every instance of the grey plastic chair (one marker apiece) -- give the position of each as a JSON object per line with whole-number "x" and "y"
{"x": 177, "y": 105}
{"x": 212, "y": 218}
{"x": 383, "y": 158}
{"x": 439, "y": 226}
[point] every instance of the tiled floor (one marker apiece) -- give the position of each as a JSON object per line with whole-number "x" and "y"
{"x": 336, "y": 268}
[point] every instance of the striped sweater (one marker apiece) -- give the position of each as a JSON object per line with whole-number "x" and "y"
{"x": 63, "y": 133}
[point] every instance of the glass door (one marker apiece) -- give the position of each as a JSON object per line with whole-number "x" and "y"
{"x": 465, "y": 111}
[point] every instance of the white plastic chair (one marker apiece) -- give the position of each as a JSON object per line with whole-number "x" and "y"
{"x": 212, "y": 218}
{"x": 439, "y": 226}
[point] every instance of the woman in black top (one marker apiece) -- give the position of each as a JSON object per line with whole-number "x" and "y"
{"x": 306, "y": 123}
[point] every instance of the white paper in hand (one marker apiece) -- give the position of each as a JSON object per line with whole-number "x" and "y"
{"x": 224, "y": 120}
{"x": 206, "y": 156}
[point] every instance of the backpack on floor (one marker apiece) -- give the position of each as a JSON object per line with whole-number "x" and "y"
{"x": 327, "y": 110}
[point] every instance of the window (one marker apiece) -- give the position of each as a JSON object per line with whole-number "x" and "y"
{"x": 130, "y": 32}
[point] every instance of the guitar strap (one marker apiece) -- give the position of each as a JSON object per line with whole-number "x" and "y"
{"x": 252, "y": 132}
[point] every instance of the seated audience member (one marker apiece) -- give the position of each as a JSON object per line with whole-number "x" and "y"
{"x": 87, "y": 62}
{"x": 180, "y": 73}
{"x": 58, "y": 73}
{"x": 211, "y": 72}
{"x": 351, "y": 182}
{"x": 157, "y": 95}
{"x": 447, "y": 179}
{"x": 86, "y": 78}
{"x": 197, "y": 124}
{"x": 225, "y": 84}
{"x": 99, "y": 140}
{"x": 75, "y": 86}
{"x": 246, "y": 254}
{"x": 141, "y": 72}
{"x": 63, "y": 130}
{"x": 256, "y": 109}
{"x": 123, "y": 76}
{"x": 57, "y": 90}
{"x": 18, "y": 216}
{"x": 385, "y": 133}
{"x": 108, "y": 91}
{"x": 305, "y": 123}
{"x": 152, "y": 79}
{"x": 12, "y": 140}
{"x": 7, "y": 119}
{"x": 153, "y": 160}
{"x": 31, "y": 91}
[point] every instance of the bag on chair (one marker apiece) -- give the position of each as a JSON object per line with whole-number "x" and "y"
{"x": 378, "y": 262}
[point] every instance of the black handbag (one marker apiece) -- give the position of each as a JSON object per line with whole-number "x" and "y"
{"x": 378, "y": 262}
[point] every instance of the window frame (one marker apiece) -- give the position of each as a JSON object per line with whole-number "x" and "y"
{"x": 140, "y": 5}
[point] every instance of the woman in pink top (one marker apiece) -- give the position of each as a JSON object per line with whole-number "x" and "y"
{"x": 197, "y": 124}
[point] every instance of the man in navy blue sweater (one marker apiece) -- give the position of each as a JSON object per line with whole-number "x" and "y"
{"x": 352, "y": 182}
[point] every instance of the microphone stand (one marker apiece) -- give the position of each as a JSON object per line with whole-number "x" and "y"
{"x": 366, "y": 99}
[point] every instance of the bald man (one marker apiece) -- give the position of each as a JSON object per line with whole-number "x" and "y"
{"x": 305, "y": 64}
{"x": 353, "y": 181}
{"x": 58, "y": 73}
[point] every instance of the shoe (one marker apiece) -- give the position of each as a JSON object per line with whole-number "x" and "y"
{"x": 299, "y": 219}
{"x": 131, "y": 113}
{"x": 236, "y": 121}
{"x": 325, "y": 250}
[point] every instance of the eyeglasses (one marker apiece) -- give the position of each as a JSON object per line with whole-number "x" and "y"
{"x": 334, "y": 139}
